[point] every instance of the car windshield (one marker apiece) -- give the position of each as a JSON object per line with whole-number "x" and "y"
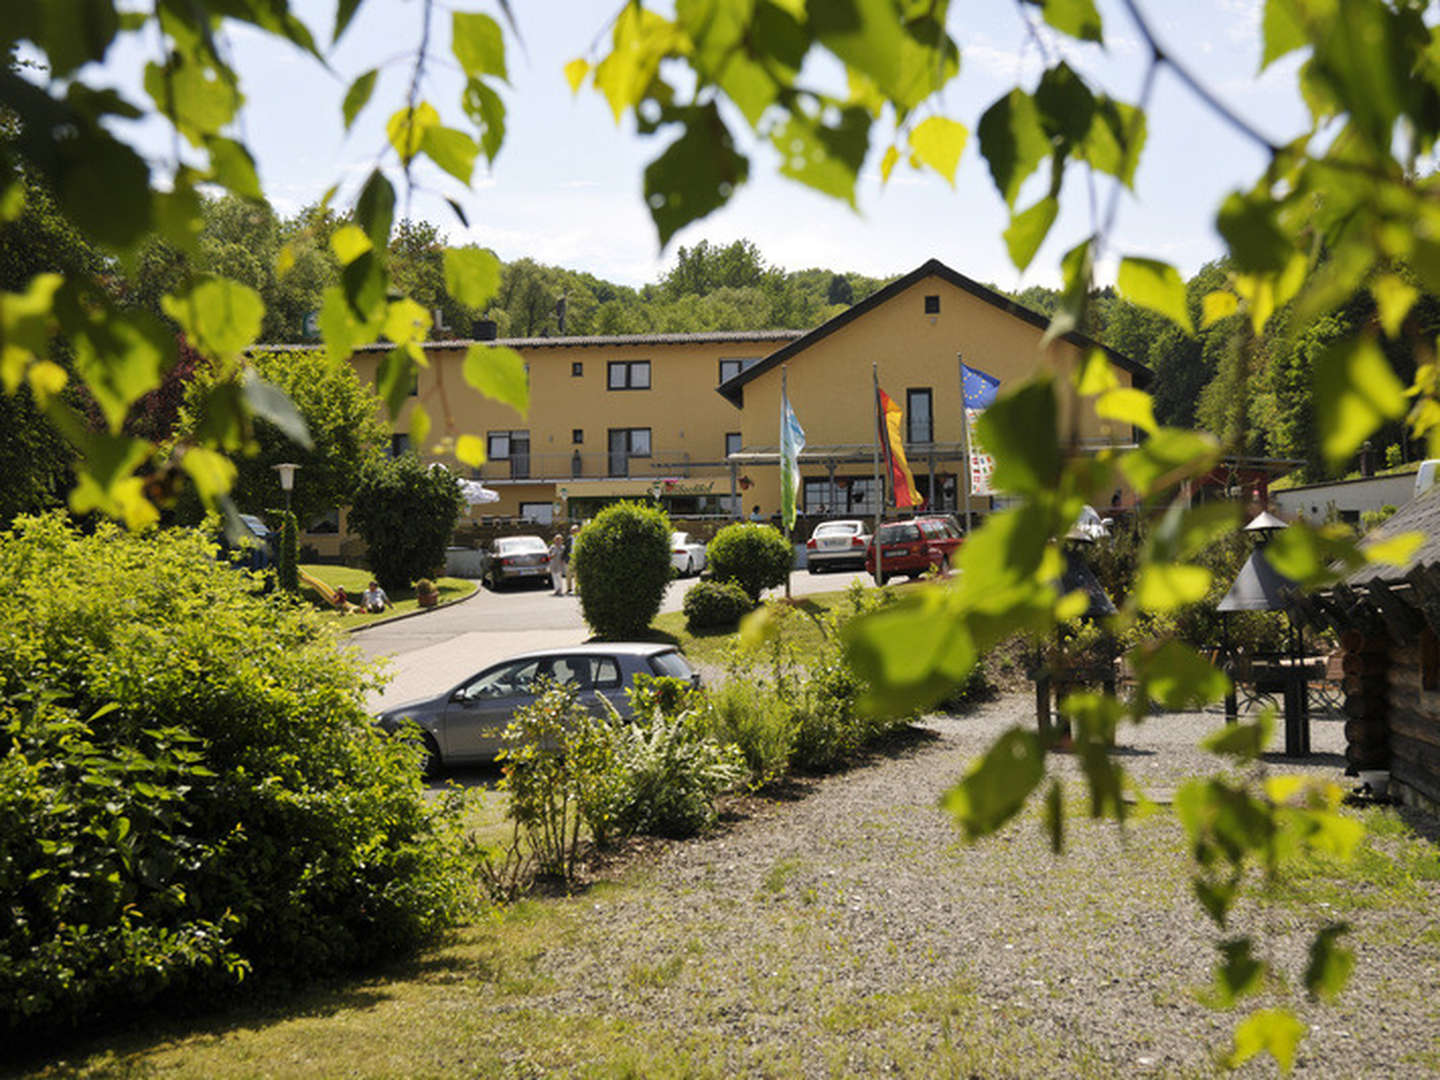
{"x": 672, "y": 664}
{"x": 838, "y": 528}
{"x": 519, "y": 545}
{"x": 679, "y": 539}
{"x": 898, "y": 534}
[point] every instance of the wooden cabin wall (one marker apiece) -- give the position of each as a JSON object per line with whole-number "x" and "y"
{"x": 1414, "y": 723}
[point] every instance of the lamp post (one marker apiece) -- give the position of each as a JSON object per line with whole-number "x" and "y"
{"x": 287, "y": 479}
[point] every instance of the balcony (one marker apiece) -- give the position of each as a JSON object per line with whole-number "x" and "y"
{"x": 550, "y": 466}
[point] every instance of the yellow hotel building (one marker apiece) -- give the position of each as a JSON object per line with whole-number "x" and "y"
{"x": 693, "y": 419}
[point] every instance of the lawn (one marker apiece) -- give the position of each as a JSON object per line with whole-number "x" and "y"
{"x": 353, "y": 581}
{"x": 710, "y": 646}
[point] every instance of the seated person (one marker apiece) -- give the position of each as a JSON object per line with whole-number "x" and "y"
{"x": 374, "y": 599}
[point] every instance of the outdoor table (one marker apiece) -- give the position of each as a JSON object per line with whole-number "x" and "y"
{"x": 1291, "y": 676}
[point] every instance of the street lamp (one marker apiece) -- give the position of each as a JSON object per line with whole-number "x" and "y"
{"x": 287, "y": 480}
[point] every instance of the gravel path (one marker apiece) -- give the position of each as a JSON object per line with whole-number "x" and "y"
{"x": 851, "y": 932}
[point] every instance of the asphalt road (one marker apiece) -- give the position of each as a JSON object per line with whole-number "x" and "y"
{"x": 436, "y": 650}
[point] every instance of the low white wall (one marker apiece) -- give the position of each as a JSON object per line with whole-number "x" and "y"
{"x": 1350, "y": 497}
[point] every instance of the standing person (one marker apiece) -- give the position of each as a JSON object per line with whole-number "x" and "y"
{"x": 570, "y": 558}
{"x": 557, "y": 564}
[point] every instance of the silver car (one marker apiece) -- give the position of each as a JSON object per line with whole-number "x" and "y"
{"x": 837, "y": 543}
{"x": 517, "y": 558}
{"x": 467, "y": 722}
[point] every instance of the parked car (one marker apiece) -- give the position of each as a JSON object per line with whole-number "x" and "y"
{"x": 837, "y": 543}
{"x": 467, "y": 722}
{"x": 913, "y": 547}
{"x": 687, "y": 556}
{"x": 516, "y": 558}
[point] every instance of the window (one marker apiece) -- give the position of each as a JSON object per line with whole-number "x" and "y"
{"x": 577, "y": 436}
{"x": 328, "y": 522}
{"x": 511, "y": 446}
{"x": 732, "y": 367}
{"x": 399, "y": 444}
{"x": 577, "y": 369}
{"x": 918, "y": 428}
{"x": 732, "y": 443}
{"x": 932, "y": 305}
{"x": 624, "y": 444}
{"x": 415, "y": 384}
{"x": 629, "y": 375}
{"x": 541, "y": 512}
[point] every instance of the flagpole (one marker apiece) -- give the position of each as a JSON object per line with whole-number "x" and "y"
{"x": 879, "y": 484}
{"x": 784, "y": 518}
{"x": 965, "y": 432}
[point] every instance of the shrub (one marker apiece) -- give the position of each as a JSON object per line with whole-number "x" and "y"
{"x": 756, "y": 720}
{"x": 622, "y": 568}
{"x": 405, "y": 512}
{"x": 543, "y": 778}
{"x": 711, "y": 605}
{"x": 673, "y": 771}
{"x": 190, "y": 787}
{"x": 755, "y": 557}
{"x": 287, "y": 570}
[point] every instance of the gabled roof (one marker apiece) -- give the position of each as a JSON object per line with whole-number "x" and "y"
{"x": 734, "y": 389}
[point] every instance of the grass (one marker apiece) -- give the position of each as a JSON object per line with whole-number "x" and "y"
{"x": 1293, "y": 480}
{"x": 354, "y": 581}
{"x": 711, "y": 646}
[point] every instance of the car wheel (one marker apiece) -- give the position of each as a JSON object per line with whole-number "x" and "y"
{"x": 431, "y": 764}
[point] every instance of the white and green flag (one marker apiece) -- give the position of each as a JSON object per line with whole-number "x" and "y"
{"x": 792, "y": 441}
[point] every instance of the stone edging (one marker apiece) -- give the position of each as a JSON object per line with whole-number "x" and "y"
{"x": 479, "y": 588}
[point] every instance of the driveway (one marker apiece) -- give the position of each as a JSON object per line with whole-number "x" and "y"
{"x": 428, "y": 653}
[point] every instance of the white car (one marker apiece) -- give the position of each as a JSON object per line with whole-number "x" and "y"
{"x": 686, "y": 555}
{"x": 837, "y": 543}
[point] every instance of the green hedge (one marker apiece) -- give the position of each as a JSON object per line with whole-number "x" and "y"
{"x": 622, "y": 568}
{"x": 755, "y": 557}
{"x": 711, "y": 605}
{"x": 190, "y": 788}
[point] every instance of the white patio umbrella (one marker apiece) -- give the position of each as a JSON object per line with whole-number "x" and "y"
{"x": 477, "y": 493}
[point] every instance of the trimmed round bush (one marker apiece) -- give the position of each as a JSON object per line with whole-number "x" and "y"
{"x": 755, "y": 557}
{"x": 713, "y": 605}
{"x": 191, "y": 790}
{"x": 405, "y": 511}
{"x": 622, "y": 567}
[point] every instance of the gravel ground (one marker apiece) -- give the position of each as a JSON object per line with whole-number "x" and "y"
{"x": 851, "y": 932}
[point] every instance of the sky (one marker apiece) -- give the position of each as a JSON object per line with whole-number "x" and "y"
{"x": 566, "y": 187}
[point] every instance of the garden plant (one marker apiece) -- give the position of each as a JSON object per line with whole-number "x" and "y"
{"x": 622, "y": 568}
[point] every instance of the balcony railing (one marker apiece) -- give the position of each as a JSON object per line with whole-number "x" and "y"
{"x": 598, "y": 465}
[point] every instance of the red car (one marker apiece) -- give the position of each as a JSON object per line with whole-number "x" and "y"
{"x": 913, "y": 547}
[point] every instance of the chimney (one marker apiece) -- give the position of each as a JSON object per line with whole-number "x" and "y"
{"x": 486, "y": 330}
{"x": 560, "y": 314}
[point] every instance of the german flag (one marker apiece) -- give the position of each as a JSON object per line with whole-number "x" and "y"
{"x": 888, "y": 418}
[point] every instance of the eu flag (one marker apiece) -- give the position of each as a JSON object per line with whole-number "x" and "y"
{"x": 979, "y": 388}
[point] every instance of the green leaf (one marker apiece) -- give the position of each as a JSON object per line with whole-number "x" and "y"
{"x": 910, "y": 653}
{"x": 452, "y": 150}
{"x": 1355, "y": 392}
{"x": 470, "y": 450}
{"x": 1177, "y": 676}
{"x": 938, "y": 142}
{"x": 1067, "y": 107}
{"x": 72, "y": 32}
{"x": 349, "y": 242}
{"x": 1273, "y": 1031}
{"x": 1096, "y": 374}
{"x": 1167, "y": 586}
{"x": 199, "y": 100}
{"x": 1241, "y": 741}
{"x": 1129, "y": 406}
{"x": 695, "y": 175}
{"x": 1028, "y": 230}
{"x": 997, "y": 786}
{"x": 575, "y": 72}
{"x": 232, "y": 167}
{"x": 269, "y": 402}
{"x": 375, "y": 209}
{"x": 1078, "y": 18}
{"x": 1183, "y": 530}
{"x": 867, "y": 36}
{"x": 406, "y": 322}
{"x": 472, "y": 275}
{"x": 26, "y": 323}
{"x": 1249, "y": 225}
{"x": 120, "y": 354}
{"x": 640, "y": 39}
{"x": 1216, "y": 306}
{"x": 340, "y": 327}
{"x": 1239, "y": 973}
{"x": 478, "y": 44}
{"x": 366, "y": 285}
{"x": 107, "y": 483}
{"x": 1330, "y": 965}
{"x": 344, "y": 12}
{"x": 1394, "y": 550}
{"x": 826, "y": 157}
{"x": 1282, "y": 29}
{"x": 487, "y": 112}
{"x": 1394, "y": 297}
{"x": 419, "y": 427}
{"x": 220, "y": 316}
{"x": 213, "y": 474}
{"x": 1013, "y": 142}
{"x": 1115, "y": 140}
{"x": 1055, "y": 816}
{"x": 358, "y": 96}
{"x": 1305, "y": 554}
{"x": 499, "y": 373}
{"x": 1168, "y": 457}
{"x": 1157, "y": 286}
{"x": 1019, "y": 429}
{"x": 407, "y": 129}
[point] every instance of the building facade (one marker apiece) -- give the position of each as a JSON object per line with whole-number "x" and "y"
{"x": 693, "y": 419}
